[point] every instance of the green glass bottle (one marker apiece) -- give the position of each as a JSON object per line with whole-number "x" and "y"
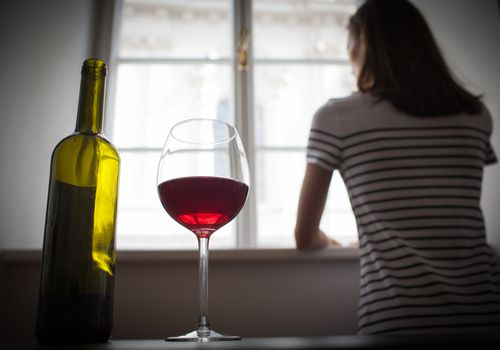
{"x": 78, "y": 259}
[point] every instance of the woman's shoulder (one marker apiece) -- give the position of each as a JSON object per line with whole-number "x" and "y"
{"x": 355, "y": 101}
{"x": 336, "y": 110}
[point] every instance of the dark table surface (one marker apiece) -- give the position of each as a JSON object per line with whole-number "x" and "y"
{"x": 490, "y": 341}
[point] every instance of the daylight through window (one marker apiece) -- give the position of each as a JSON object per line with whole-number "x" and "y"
{"x": 175, "y": 59}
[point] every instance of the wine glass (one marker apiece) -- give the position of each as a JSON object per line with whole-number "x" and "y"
{"x": 203, "y": 182}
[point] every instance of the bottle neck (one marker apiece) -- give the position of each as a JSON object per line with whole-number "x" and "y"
{"x": 91, "y": 102}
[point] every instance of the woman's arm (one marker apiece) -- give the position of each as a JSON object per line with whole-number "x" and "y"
{"x": 310, "y": 209}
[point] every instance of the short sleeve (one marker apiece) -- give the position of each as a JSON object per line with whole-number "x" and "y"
{"x": 324, "y": 143}
{"x": 491, "y": 157}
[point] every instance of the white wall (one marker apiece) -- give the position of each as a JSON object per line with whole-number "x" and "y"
{"x": 278, "y": 293}
{"x": 468, "y": 32}
{"x": 42, "y": 47}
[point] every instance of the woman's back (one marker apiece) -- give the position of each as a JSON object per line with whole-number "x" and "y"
{"x": 415, "y": 186}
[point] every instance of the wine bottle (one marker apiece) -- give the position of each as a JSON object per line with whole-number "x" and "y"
{"x": 78, "y": 258}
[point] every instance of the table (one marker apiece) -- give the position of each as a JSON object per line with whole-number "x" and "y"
{"x": 491, "y": 341}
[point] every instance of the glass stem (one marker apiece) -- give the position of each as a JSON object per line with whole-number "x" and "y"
{"x": 203, "y": 326}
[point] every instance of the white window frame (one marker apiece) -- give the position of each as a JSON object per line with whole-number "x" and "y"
{"x": 106, "y": 46}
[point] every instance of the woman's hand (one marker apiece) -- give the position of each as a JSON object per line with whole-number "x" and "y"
{"x": 318, "y": 240}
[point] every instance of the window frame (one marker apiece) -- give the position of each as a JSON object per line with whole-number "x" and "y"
{"x": 107, "y": 41}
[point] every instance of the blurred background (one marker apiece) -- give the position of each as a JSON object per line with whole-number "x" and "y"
{"x": 175, "y": 59}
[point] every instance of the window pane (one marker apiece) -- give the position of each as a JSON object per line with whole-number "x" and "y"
{"x": 310, "y": 29}
{"x": 279, "y": 178}
{"x": 142, "y": 222}
{"x": 286, "y": 97}
{"x": 338, "y": 220}
{"x": 176, "y": 28}
{"x": 150, "y": 98}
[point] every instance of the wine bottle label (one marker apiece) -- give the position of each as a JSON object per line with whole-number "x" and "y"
{"x": 71, "y": 268}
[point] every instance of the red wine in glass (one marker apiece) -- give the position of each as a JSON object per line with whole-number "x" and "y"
{"x": 203, "y": 182}
{"x": 203, "y": 204}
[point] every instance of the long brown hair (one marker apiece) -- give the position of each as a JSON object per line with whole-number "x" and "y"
{"x": 404, "y": 62}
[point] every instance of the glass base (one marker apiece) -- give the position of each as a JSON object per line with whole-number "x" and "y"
{"x": 203, "y": 337}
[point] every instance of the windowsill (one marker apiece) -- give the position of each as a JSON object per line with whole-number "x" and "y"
{"x": 188, "y": 256}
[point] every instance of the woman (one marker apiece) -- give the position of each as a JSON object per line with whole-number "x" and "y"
{"x": 411, "y": 146}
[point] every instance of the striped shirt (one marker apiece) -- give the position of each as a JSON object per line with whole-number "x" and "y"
{"x": 415, "y": 186}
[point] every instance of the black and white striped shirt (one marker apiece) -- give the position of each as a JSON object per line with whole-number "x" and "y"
{"x": 415, "y": 186}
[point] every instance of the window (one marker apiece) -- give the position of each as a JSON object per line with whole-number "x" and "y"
{"x": 175, "y": 59}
